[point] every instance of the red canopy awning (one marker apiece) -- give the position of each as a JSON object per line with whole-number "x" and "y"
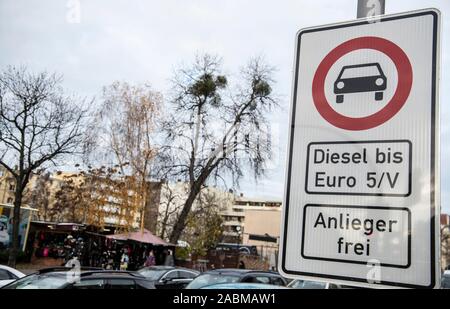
{"x": 144, "y": 237}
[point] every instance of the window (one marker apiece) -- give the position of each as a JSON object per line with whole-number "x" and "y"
{"x": 186, "y": 275}
{"x": 364, "y": 71}
{"x": 309, "y": 285}
{"x": 12, "y": 187}
{"x": 124, "y": 284}
{"x": 94, "y": 284}
{"x": 445, "y": 282}
{"x": 10, "y": 200}
{"x": 257, "y": 279}
{"x": 172, "y": 275}
{"x": 277, "y": 281}
{"x": 6, "y": 275}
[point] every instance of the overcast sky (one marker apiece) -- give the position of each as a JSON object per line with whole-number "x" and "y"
{"x": 142, "y": 41}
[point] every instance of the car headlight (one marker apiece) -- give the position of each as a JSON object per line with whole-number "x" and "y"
{"x": 379, "y": 82}
{"x": 340, "y": 85}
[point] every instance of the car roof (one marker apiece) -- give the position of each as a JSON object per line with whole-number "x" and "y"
{"x": 169, "y": 268}
{"x": 112, "y": 275}
{"x": 91, "y": 273}
{"x": 16, "y": 272}
{"x": 242, "y": 286}
{"x": 159, "y": 267}
{"x": 240, "y": 272}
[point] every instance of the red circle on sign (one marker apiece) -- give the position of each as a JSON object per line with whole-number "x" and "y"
{"x": 405, "y": 79}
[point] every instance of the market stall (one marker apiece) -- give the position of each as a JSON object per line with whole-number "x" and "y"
{"x": 139, "y": 244}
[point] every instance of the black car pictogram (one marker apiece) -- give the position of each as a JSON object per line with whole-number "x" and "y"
{"x": 360, "y": 78}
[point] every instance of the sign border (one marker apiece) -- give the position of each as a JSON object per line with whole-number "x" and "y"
{"x": 434, "y": 175}
{"x": 408, "y": 264}
{"x": 362, "y": 194}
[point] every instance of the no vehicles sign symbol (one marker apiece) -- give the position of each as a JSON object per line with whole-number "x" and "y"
{"x": 362, "y": 192}
{"x": 404, "y": 70}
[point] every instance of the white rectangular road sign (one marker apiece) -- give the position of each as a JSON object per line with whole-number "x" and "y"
{"x": 362, "y": 191}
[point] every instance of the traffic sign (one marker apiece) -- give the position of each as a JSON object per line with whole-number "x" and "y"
{"x": 362, "y": 192}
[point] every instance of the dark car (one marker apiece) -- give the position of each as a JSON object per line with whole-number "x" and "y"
{"x": 221, "y": 276}
{"x": 360, "y": 78}
{"x": 168, "y": 277}
{"x": 62, "y": 278}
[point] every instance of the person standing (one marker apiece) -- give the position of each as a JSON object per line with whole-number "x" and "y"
{"x": 124, "y": 260}
{"x": 150, "y": 260}
{"x": 169, "y": 259}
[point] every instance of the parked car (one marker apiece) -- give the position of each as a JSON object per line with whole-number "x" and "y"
{"x": 316, "y": 285}
{"x": 168, "y": 277}
{"x": 242, "y": 286}
{"x": 312, "y": 285}
{"x": 445, "y": 282}
{"x": 4, "y": 233}
{"x": 360, "y": 78}
{"x": 8, "y": 275}
{"x": 62, "y": 278}
{"x": 220, "y": 276}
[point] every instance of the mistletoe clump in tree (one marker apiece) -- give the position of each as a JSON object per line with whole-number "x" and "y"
{"x": 217, "y": 128}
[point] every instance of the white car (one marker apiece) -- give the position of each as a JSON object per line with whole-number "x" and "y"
{"x": 8, "y": 275}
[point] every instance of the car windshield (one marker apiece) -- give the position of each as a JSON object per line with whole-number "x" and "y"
{"x": 210, "y": 279}
{"x": 40, "y": 281}
{"x": 311, "y": 285}
{"x": 151, "y": 274}
{"x": 371, "y": 70}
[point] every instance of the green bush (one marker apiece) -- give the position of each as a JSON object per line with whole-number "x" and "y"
{"x": 182, "y": 253}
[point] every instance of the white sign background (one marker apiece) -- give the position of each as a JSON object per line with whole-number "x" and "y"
{"x": 417, "y": 34}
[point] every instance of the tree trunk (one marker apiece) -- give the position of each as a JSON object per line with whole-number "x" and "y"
{"x": 14, "y": 251}
{"x": 193, "y": 193}
{"x": 181, "y": 222}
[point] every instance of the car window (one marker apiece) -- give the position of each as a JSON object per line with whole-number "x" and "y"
{"x": 210, "y": 279}
{"x": 151, "y": 274}
{"x": 6, "y": 275}
{"x": 312, "y": 285}
{"x": 445, "y": 282}
{"x": 40, "y": 281}
{"x": 257, "y": 279}
{"x": 334, "y": 286}
{"x": 125, "y": 284}
{"x": 277, "y": 281}
{"x": 365, "y": 71}
{"x": 91, "y": 284}
{"x": 171, "y": 275}
{"x": 186, "y": 274}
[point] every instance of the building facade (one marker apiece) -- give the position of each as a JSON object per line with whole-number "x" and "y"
{"x": 239, "y": 222}
{"x": 55, "y": 197}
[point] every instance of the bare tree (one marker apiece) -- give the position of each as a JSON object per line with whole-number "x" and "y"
{"x": 122, "y": 133}
{"x": 38, "y": 126}
{"x": 217, "y": 129}
{"x": 39, "y": 196}
{"x": 169, "y": 209}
